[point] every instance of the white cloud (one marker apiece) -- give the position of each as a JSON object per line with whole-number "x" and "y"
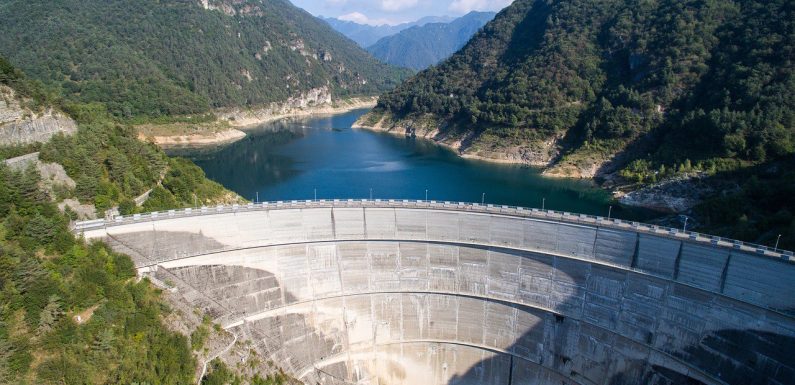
{"x": 466, "y": 6}
{"x": 397, "y": 5}
{"x": 358, "y": 17}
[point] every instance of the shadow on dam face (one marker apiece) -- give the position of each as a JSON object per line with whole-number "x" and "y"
{"x": 316, "y": 339}
{"x": 445, "y": 311}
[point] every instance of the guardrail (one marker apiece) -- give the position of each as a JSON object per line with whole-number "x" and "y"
{"x": 522, "y": 212}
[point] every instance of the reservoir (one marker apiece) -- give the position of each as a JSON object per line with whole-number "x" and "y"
{"x": 295, "y": 159}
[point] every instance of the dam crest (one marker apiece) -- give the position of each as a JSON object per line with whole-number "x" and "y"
{"x": 420, "y": 292}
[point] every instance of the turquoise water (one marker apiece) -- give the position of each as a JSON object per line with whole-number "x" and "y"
{"x": 292, "y": 159}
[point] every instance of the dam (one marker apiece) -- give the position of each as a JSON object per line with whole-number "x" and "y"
{"x": 420, "y": 292}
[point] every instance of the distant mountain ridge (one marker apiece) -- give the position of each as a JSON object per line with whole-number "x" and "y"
{"x": 151, "y": 58}
{"x": 366, "y": 35}
{"x": 420, "y": 47}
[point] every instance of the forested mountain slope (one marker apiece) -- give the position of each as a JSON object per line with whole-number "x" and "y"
{"x": 74, "y": 313}
{"x": 423, "y": 46}
{"x": 590, "y": 87}
{"x": 167, "y": 57}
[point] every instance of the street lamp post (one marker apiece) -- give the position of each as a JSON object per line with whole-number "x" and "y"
{"x": 483, "y": 199}
{"x": 609, "y": 212}
{"x": 257, "y": 200}
{"x": 684, "y": 228}
{"x": 543, "y": 204}
{"x": 371, "y": 193}
{"x": 315, "y": 195}
{"x": 775, "y": 249}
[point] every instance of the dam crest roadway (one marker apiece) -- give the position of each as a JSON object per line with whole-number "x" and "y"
{"x": 406, "y": 292}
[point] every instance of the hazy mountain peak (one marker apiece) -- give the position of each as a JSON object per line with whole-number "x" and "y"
{"x": 419, "y": 47}
{"x": 366, "y": 35}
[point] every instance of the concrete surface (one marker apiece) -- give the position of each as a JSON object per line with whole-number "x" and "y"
{"x": 406, "y": 295}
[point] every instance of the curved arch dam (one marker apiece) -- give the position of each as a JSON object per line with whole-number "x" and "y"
{"x": 393, "y": 293}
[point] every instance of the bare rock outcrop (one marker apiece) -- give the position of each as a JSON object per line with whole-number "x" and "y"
{"x": 675, "y": 195}
{"x": 20, "y": 125}
{"x": 312, "y": 102}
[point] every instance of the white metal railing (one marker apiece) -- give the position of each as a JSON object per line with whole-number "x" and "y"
{"x": 522, "y": 212}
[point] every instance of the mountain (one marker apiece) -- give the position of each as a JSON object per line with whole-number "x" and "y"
{"x": 423, "y": 46}
{"x": 366, "y": 35}
{"x": 165, "y": 57}
{"x": 638, "y": 89}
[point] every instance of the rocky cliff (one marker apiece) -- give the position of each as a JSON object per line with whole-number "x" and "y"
{"x": 20, "y": 125}
{"x": 314, "y": 101}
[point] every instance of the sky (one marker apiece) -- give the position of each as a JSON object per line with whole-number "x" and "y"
{"x": 376, "y": 12}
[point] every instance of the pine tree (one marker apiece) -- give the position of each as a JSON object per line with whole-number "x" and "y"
{"x": 50, "y": 314}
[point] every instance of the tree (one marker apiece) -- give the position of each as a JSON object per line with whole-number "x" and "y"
{"x": 50, "y": 314}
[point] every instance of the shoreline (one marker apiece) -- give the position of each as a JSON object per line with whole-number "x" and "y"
{"x": 651, "y": 201}
{"x": 251, "y": 118}
{"x": 455, "y": 147}
{"x": 514, "y": 155}
{"x": 195, "y": 140}
{"x": 239, "y": 121}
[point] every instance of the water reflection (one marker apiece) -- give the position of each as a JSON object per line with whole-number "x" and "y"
{"x": 293, "y": 158}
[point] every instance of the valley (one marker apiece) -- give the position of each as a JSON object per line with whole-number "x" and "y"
{"x": 244, "y": 192}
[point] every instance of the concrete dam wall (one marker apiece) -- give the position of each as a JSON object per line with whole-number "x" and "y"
{"x": 397, "y": 293}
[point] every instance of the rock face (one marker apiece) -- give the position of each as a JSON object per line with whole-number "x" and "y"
{"x": 19, "y": 125}
{"x": 538, "y": 154}
{"x": 314, "y": 101}
{"x": 676, "y": 195}
{"x": 53, "y": 179}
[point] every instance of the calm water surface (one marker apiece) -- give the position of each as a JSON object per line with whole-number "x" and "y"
{"x": 291, "y": 159}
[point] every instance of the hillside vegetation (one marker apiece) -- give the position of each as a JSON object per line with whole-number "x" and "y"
{"x": 150, "y": 58}
{"x": 48, "y": 278}
{"x": 71, "y": 312}
{"x": 643, "y": 86}
{"x": 423, "y": 46}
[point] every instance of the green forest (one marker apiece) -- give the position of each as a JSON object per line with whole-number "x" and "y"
{"x": 153, "y": 58}
{"x": 48, "y": 277}
{"x": 663, "y": 87}
{"x": 704, "y": 79}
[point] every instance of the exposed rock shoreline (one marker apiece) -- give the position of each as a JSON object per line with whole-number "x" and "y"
{"x": 314, "y": 103}
{"x": 541, "y": 155}
{"x": 677, "y": 195}
{"x": 196, "y": 140}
